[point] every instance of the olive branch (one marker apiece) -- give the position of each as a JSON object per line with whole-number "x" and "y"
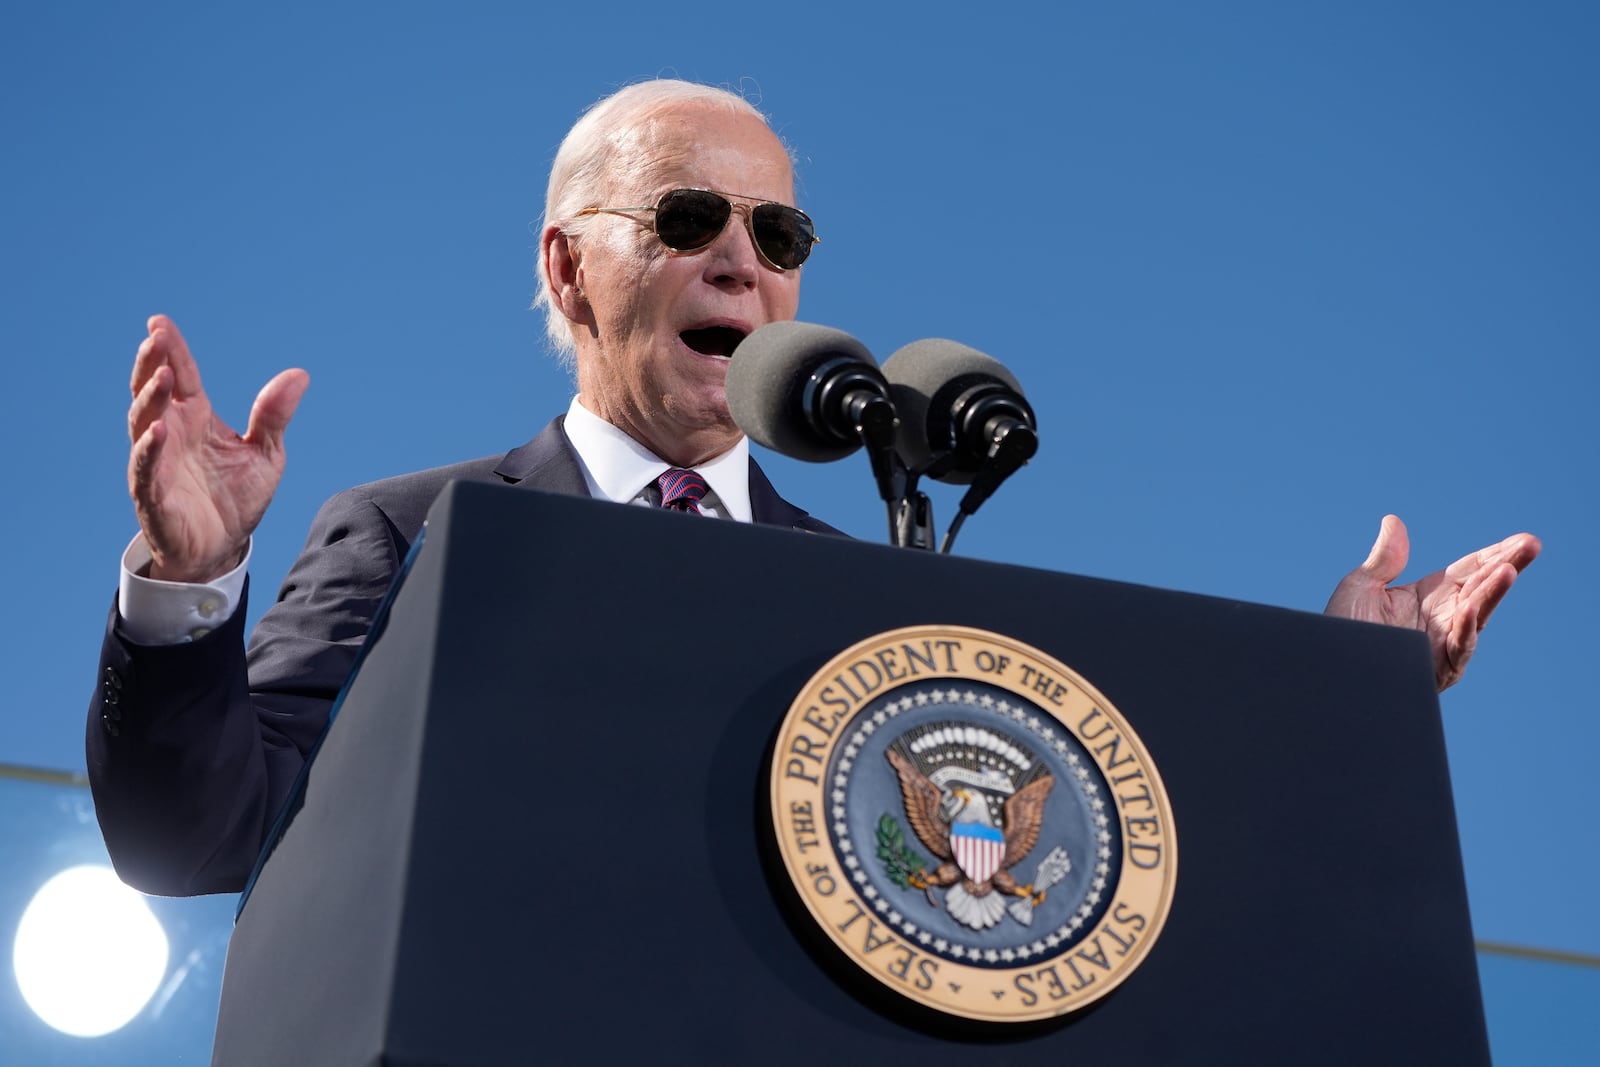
{"x": 899, "y": 862}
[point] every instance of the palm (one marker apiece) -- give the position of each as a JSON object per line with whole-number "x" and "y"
{"x": 1450, "y": 606}
{"x": 198, "y": 487}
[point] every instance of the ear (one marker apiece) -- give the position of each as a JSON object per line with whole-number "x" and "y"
{"x": 564, "y": 268}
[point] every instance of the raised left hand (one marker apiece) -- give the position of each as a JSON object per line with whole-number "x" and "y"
{"x": 1450, "y": 606}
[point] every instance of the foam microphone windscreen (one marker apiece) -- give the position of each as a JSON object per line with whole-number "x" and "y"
{"x": 925, "y": 380}
{"x": 767, "y": 383}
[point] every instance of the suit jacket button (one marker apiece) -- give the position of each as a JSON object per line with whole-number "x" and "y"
{"x": 112, "y": 696}
{"x": 111, "y": 727}
{"x": 113, "y": 679}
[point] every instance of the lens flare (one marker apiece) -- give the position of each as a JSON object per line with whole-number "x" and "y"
{"x": 89, "y": 953}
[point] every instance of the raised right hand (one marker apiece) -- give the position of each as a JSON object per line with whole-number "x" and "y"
{"x": 199, "y": 488}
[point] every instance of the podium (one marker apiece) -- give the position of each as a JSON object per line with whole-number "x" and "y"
{"x": 536, "y": 831}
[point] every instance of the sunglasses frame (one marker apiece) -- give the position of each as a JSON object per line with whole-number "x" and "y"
{"x": 747, "y": 210}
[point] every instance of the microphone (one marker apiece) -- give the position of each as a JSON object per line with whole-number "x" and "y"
{"x": 964, "y": 419}
{"x": 962, "y": 412}
{"x": 815, "y": 393}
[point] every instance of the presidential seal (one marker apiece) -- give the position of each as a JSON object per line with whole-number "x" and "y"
{"x": 973, "y": 824}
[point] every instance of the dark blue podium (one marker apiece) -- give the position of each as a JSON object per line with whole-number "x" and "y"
{"x": 518, "y": 845}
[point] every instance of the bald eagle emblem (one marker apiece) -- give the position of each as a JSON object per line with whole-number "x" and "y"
{"x": 976, "y": 800}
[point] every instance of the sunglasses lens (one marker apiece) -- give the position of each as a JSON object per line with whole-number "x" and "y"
{"x": 784, "y": 234}
{"x": 687, "y": 219}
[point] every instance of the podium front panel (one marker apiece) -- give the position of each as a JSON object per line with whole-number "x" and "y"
{"x": 537, "y": 831}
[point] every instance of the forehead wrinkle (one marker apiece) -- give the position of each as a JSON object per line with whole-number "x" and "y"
{"x": 666, "y": 152}
{"x": 642, "y": 153}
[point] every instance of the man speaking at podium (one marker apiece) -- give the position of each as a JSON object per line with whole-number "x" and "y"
{"x": 669, "y": 235}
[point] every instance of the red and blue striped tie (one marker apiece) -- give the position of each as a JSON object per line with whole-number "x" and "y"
{"x": 681, "y": 490}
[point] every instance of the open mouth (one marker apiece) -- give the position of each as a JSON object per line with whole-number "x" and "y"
{"x": 713, "y": 340}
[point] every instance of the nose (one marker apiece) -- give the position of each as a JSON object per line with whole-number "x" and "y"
{"x": 731, "y": 260}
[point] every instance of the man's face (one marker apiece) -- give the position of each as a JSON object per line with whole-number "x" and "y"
{"x": 653, "y": 360}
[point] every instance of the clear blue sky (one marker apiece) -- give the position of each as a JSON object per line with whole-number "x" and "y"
{"x": 1267, "y": 272}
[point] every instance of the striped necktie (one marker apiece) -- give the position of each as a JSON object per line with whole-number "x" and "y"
{"x": 681, "y": 490}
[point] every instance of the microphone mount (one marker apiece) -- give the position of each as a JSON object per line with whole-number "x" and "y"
{"x": 972, "y": 426}
{"x": 848, "y": 401}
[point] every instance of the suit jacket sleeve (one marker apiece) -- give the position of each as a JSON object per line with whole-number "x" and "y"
{"x": 192, "y": 748}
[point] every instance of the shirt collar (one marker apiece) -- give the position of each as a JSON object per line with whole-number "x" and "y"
{"x": 618, "y": 468}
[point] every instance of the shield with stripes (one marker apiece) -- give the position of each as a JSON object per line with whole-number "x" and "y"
{"x": 978, "y": 849}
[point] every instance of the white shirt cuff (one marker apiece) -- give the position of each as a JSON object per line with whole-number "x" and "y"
{"x": 155, "y": 612}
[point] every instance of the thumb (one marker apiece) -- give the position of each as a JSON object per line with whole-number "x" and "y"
{"x": 275, "y": 406}
{"x": 1389, "y": 552}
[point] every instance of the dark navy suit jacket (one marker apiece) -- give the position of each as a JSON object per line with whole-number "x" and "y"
{"x": 192, "y": 748}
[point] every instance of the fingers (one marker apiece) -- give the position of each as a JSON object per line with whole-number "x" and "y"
{"x": 146, "y": 361}
{"x": 169, "y": 347}
{"x": 1518, "y": 550}
{"x": 1488, "y": 594}
{"x": 163, "y": 370}
{"x": 142, "y": 461}
{"x": 1459, "y": 645}
{"x": 1451, "y": 606}
{"x": 1476, "y": 602}
{"x": 150, "y": 402}
{"x": 274, "y": 407}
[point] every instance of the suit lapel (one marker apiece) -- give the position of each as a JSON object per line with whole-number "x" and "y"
{"x": 547, "y": 462}
{"x": 770, "y": 509}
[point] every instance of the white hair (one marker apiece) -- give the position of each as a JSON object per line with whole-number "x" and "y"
{"x": 583, "y": 163}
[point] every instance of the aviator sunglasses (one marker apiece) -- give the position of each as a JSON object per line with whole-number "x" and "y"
{"x": 688, "y": 220}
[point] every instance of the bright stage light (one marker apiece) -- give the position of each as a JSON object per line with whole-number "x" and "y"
{"x": 89, "y": 953}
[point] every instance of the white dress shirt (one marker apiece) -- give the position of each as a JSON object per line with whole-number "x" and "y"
{"x": 620, "y": 469}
